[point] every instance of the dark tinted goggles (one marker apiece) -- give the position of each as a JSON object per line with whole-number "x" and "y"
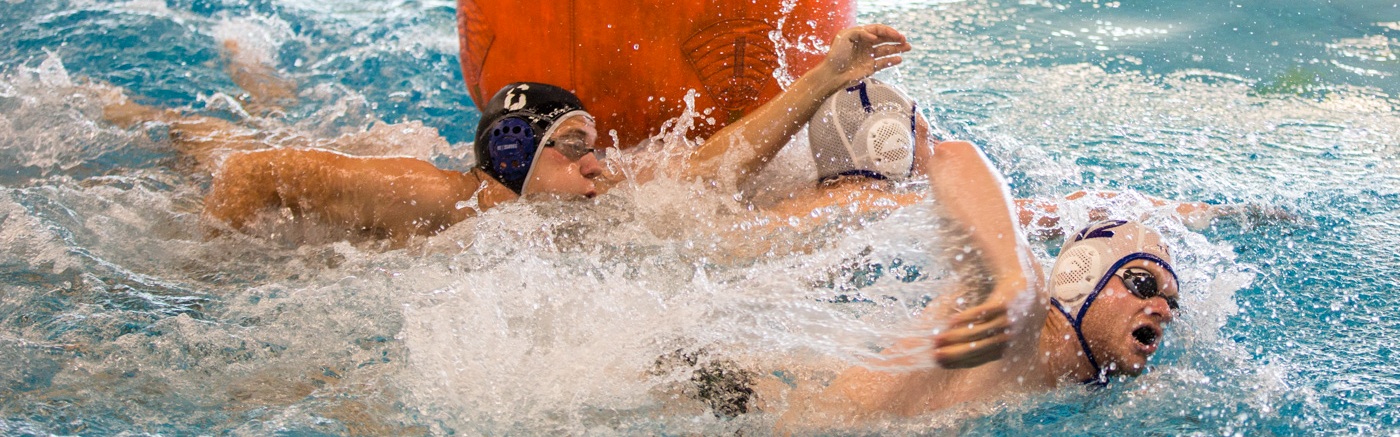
{"x": 1144, "y": 284}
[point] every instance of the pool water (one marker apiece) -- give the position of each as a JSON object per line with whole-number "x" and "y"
{"x": 120, "y": 315}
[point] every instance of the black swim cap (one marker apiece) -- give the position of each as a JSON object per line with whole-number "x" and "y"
{"x": 512, "y": 126}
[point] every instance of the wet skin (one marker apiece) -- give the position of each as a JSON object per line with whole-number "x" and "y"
{"x": 556, "y": 175}
{"x": 1124, "y": 330}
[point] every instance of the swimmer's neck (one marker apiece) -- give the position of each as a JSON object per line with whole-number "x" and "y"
{"x": 1060, "y": 353}
{"x": 488, "y": 191}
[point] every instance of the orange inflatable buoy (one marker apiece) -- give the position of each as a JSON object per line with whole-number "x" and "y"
{"x": 632, "y": 62}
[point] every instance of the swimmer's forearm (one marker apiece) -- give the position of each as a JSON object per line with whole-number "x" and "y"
{"x": 387, "y": 197}
{"x": 975, "y": 197}
{"x": 980, "y": 323}
{"x": 1042, "y": 216}
{"x": 744, "y": 146}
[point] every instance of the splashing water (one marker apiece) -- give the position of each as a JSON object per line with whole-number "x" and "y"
{"x": 120, "y": 313}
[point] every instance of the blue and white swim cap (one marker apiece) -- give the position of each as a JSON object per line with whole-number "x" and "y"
{"x": 1090, "y": 257}
{"x": 867, "y": 130}
{"x": 514, "y": 123}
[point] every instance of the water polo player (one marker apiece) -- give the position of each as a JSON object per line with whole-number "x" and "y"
{"x": 1100, "y": 314}
{"x": 534, "y": 140}
{"x": 993, "y": 334}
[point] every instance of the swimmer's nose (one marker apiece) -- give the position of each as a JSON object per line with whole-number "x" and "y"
{"x": 590, "y": 167}
{"x": 1157, "y": 307}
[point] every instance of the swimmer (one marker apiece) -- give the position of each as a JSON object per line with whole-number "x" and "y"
{"x": 534, "y": 141}
{"x": 1099, "y": 314}
{"x": 1006, "y": 327}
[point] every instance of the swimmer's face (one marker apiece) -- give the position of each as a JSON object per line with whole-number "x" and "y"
{"x": 1122, "y": 327}
{"x": 566, "y": 166}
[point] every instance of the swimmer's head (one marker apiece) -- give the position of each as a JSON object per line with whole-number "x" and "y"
{"x": 1123, "y": 271}
{"x": 868, "y": 129}
{"x": 522, "y": 120}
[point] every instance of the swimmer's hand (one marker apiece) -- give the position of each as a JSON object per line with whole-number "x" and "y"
{"x": 861, "y": 51}
{"x": 977, "y": 335}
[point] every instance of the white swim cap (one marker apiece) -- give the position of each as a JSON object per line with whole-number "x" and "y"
{"x": 1090, "y": 257}
{"x": 866, "y": 129}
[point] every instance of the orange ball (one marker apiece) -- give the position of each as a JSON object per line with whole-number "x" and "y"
{"x": 632, "y": 63}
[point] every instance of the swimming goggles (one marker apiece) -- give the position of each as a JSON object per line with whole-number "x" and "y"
{"x": 573, "y": 148}
{"x": 1142, "y": 283}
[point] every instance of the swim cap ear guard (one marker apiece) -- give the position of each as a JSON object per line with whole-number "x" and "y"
{"x": 889, "y": 142}
{"x": 511, "y": 146}
{"x": 867, "y": 129}
{"x": 512, "y": 126}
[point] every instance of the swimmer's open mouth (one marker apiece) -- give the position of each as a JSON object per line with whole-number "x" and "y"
{"x": 1146, "y": 335}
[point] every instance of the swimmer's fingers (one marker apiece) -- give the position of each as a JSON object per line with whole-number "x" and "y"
{"x": 975, "y": 336}
{"x": 887, "y": 56}
{"x": 972, "y": 354}
{"x": 885, "y": 46}
{"x": 1266, "y": 213}
{"x": 863, "y": 50}
{"x": 878, "y": 33}
{"x": 883, "y": 63}
{"x": 887, "y": 50}
{"x": 972, "y": 331}
{"x": 991, "y": 309}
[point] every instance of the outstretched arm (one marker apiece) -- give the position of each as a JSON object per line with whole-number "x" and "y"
{"x": 370, "y": 197}
{"x": 740, "y": 149}
{"x": 1042, "y": 217}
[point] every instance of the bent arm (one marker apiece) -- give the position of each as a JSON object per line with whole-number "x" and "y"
{"x": 976, "y": 203}
{"x": 1001, "y": 306}
{"x": 742, "y": 148}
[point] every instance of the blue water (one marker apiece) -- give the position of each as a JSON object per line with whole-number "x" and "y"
{"x": 118, "y": 314}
